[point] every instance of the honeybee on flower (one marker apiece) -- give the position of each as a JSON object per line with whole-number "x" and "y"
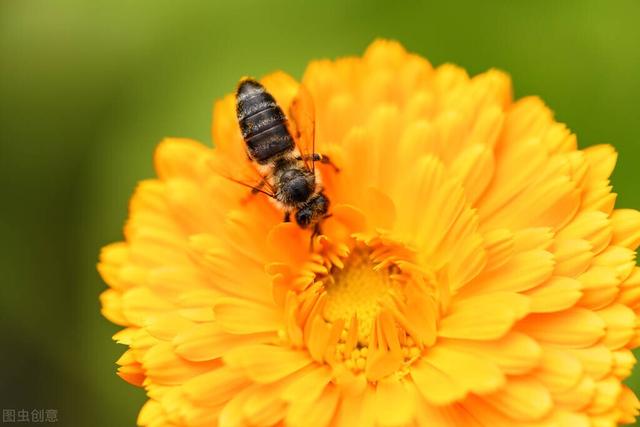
{"x": 474, "y": 270}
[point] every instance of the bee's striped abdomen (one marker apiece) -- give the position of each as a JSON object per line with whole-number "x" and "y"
{"x": 262, "y": 122}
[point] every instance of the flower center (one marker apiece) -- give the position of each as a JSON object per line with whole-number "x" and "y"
{"x": 373, "y": 311}
{"x": 358, "y": 290}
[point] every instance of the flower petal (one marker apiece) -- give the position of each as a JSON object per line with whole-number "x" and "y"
{"x": 216, "y": 386}
{"x": 240, "y": 316}
{"x": 266, "y": 363}
{"x": 209, "y": 341}
{"x": 558, "y": 294}
{"x": 523, "y": 399}
{"x": 484, "y": 317}
{"x": 395, "y": 403}
{"x": 573, "y": 328}
{"x": 317, "y": 412}
{"x": 473, "y": 373}
{"x": 434, "y": 385}
{"x": 515, "y": 353}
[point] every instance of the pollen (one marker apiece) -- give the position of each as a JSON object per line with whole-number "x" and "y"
{"x": 362, "y": 302}
{"x": 358, "y": 290}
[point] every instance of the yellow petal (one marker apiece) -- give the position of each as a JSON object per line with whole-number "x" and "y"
{"x": 266, "y": 363}
{"x": 209, "y": 341}
{"x": 623, "y": 362}
{"x": 573, "y": 328}
{"x": 577, "y": 397}
{"x": 163, "y": 366}
{"x": 620, "y": 324}
{"x": 484, "y": 317}
{"x": 357, "y": 409}
{"x": 473, "y": 373}
{"x": 263, "y": 407}
{"x": 559, "y": 370}
{"x": 515, "y": 353}
{"x": 517, "y": 165}
{"x": 526, "y": 117}
{"x": 599, "y": 287}
{"x": 559, "y": 293}
{"x": 522, "y": 399}
{"x": 395, "y": 403}
{"x": 434, "y": 385}
{"x": 246, "y": 317}
{"x": 621, "y": 260}
{"x": 177, "y": 157}
{"x": 167, "y": 325}
{"x": 606, "y": 395}
{"x": 474, "y": 166}
{"x": 111, "y": 301}
{"x": 597, "y": 361}
{"x": 232, "y": 414}
{"x": 499, "y": 245}
{"x": 523, "y": 271}
{"x": 626, "y": 228}
{"x": 629, "y": 406}
{"x": 317, "y": 412}
{"x": 593, "y": 226}
{"x": 215, "y": 387}
{"x": 151, "y": 412}
{"x": 573, "y": 256}
{"x": 602, "y": 159}
{"x": 308, "y": 386}
{"x": 140, "y": 304}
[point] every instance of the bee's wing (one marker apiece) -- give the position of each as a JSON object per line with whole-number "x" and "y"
{"x": 243, "y": 173}
{"x": 303, "y": 115}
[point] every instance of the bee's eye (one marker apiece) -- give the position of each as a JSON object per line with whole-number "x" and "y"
{"x": 303, "y": 217}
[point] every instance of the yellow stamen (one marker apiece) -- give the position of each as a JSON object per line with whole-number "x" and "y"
{"x": 358, "y": 290}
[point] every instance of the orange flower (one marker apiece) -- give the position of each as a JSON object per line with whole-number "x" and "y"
{"x": 474, "y": 271}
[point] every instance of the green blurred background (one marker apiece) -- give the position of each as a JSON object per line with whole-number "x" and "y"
{"x": 87, "y": 88}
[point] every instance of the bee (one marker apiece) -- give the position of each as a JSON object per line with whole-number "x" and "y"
{"x": 288, "y": 174}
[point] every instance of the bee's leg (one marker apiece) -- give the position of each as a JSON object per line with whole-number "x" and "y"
{"x": 254, "y": 190}
{"x": 287, "y": 216}
{"x": 317, "y": 157}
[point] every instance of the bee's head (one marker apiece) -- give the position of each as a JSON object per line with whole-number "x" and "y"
{"x": 296, "y": 186}
{"x": 313, "y": 211}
